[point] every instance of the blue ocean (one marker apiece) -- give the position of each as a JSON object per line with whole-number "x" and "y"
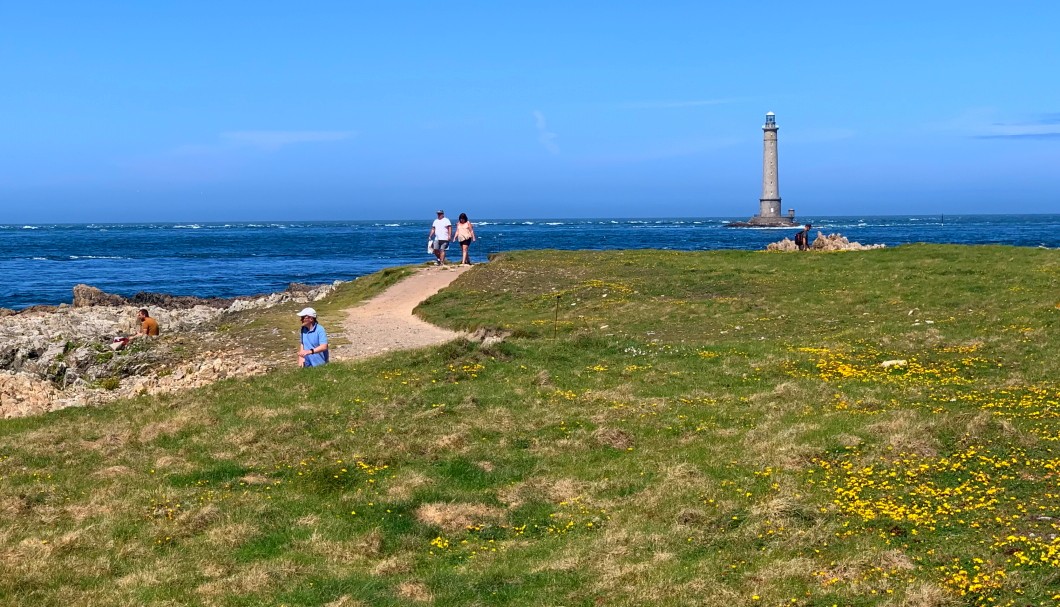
{"x": 40, "y": 264}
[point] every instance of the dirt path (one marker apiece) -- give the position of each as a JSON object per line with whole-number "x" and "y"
{"x": 386, "y": 323}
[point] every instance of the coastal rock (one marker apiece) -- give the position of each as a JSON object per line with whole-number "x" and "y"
{"x": 85, "y": 296}
{"x": 830, "y": 242}
{"x": 22, "y": 394}
{"x": 176, "y": 302}
{"x": 838, "y": 242}
{"x": 55, "y": 357}
{"x": 784, "y": 245}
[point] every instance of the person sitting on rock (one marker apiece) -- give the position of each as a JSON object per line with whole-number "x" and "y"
{"x": 313, "y": 351}
{"x": 148, "y": 325}
{"x": 148, "y": 328}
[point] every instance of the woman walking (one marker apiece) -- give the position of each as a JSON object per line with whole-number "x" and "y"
{"x": 465, "y": 235}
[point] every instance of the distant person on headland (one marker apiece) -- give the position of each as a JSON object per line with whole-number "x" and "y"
{"x": 441, "y": 232}
{"x": 148, "y": 328}
{"x": 465, "y": 235}
{"x": 314, "y": 348}
{"x": 802, "y": 239}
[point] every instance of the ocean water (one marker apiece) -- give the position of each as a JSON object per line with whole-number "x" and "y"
{"x": 40, "y": 264}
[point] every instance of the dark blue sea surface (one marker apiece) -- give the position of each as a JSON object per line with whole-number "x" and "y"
{"x": 40, "y": 264}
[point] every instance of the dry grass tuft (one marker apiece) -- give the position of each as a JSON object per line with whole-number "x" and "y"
{"x": 614, "y": 438}
{"x": 848, "y": 441}
{"x": 256, "y": 479}
{"x": 230, "y": 535}
{"x": 906, "y": 432}
{"x": 453, "y": 518}
{"x": 344, "y": 601}
{"x": 259, "y": 413}
{"x": 171, "y": 463}
{"x": 415, "y": 591}
{"x": 111, "y": 442}
{"x": 372, "y": 543}
{"x": 565, "y": 489}
{"x": 309, "y": 520}
{"x": 778, "y": 443}
{"x": 113, "y": 471}
{"x": 691, "y": 517}
{"x": 798, "y": 568}
{"x": 450, "y": 442}
{"x": 543, "y": 379}
{"x": 538, "y": 489}
{"x": 256, "y": 578}
{"x": 391, "y": 566}
{"x": 170, "y": 426}
{"x": 196, "y": 521}
{"x": 140, "y": 579}
{"x": 986, "y": 424}
{"x": 923, "y": 594}
{"x": 405, "y": 484}
{"x": 780, "y": 506}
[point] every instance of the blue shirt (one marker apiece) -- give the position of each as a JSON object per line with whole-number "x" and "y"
{"x": 313, "y": 339}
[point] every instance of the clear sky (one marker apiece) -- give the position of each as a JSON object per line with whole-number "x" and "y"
{"x": 225, "y": 111}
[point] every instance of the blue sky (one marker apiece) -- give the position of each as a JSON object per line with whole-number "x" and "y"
{"x": 223, "y": 111}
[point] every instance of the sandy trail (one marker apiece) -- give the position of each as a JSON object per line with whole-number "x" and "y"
{"x": 385, "y": 323}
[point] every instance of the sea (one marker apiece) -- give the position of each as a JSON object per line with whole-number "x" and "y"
{"x": 40, "y": 264}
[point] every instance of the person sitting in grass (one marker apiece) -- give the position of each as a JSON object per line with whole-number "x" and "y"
{"x": 314, "y": 347}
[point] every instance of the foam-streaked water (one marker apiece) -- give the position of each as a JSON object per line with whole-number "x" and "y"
{"x": 40, "y": 264}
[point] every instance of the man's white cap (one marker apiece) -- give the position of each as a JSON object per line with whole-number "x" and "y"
{"x": 307, "y": 312}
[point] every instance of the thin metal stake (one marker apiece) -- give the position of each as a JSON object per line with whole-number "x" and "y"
{"x": 555, "y": 323}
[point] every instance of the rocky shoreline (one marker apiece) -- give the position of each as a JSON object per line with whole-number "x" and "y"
{"x": 824, "y": 242}
{"x": 53, "y": 357}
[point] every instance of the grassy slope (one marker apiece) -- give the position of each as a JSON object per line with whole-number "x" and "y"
{"x": 662, "y": 428}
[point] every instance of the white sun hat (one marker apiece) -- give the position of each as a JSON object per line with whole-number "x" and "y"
{"x": 307, "y": 312}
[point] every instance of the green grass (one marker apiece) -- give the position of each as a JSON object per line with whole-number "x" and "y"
{"x": 660, "y": 428}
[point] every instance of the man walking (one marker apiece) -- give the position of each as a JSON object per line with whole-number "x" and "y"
{"x": 441, "y": 231}
{"x": 802, "y": 239}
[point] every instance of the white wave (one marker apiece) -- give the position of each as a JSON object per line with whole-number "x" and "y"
{"x": 40, "y": 258}
{"x": 391, "y": 225}
{"x": 555, "y": 223}
{"x": 190, "y": 226}
{"x": 30, "y": 227}
{"x": 96, "y": 257}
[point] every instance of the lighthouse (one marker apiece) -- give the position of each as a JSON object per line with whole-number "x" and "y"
{"x": 770, "y": 201}
{"x": 769, "y": 204}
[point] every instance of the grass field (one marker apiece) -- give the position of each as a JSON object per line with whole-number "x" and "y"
{"x": 659, "y": 428}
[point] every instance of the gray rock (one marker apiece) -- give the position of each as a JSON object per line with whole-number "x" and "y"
{"x": 85, "y": 295}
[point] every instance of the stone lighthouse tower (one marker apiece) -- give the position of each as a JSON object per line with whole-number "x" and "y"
{"x": 769, "y": 204}
{"x": 770, "y": 201}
